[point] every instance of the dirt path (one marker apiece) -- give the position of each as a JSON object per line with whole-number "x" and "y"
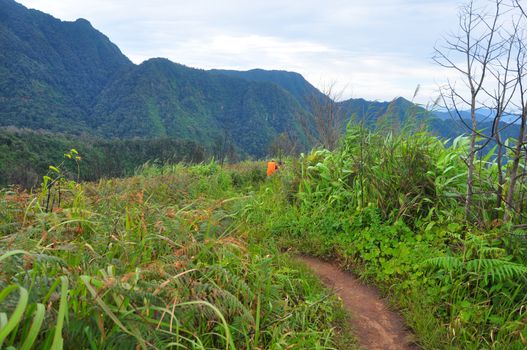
{"x": 375, "y": 326}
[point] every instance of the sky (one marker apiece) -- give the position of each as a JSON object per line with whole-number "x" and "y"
{"x": 372, "y": 49}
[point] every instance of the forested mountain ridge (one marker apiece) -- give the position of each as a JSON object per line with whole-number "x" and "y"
{"x": 162, "y": 98}
{"x": 397, "y": 112}
{"x": 371, "y": 112}
{"x": 401, "y": 112}
{"x": 52, "y": 71}
{"x": 68, "y": 77}
{"x": 292, "y": 82}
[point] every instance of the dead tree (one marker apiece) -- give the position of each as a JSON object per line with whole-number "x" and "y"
{"x": 470, "y": 53}
{"x": 283, "y": 145}
{"x": 518, "y": 152}
{"x": 323, "y": 123}
{"x": 501, "y": 96}
{"x": 521, "y": 7}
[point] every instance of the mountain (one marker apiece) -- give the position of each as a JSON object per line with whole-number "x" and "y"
{"x": 291, "y": 82}
{"x": 69, "y": 78}
{"x": 370, "y": 112}
{"x": 373, "y": 113}
{"x": 400, "y": 112}
{"x": 161, "y": 98}
{"x": 482, "y": 115}
{"x": 51, "y": 71}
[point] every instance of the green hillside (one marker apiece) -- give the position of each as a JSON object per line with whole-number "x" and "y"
{"x": 161, "y": 98}
{"x": 51, "y": 71}
{"x": 68, "y": 77}
{"x": 291, "y": 82}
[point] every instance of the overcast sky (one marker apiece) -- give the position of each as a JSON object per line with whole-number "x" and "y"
{"x": 377, "y": 49}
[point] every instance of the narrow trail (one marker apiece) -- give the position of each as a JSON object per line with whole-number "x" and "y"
{"x": 374, "y": 325}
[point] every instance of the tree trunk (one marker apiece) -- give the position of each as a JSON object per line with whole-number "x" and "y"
{"x": 499, "y": 162}
{"x": 511, "y": 206}
{"x": 470, "y": 161}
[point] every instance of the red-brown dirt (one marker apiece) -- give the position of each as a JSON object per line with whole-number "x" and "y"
{"x": 373, "y": 323}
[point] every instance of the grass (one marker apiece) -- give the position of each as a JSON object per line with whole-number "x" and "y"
{"x": 159, "y": 260}
{"x": 198, "y": 257}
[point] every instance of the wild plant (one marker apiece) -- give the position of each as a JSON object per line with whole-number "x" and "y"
{"x": 384, "y": 202}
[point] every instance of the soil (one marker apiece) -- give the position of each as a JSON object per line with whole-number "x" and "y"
{"x": 372, "y": 322}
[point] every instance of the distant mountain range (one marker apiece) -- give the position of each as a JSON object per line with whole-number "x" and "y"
{"x": 68, "y": 77}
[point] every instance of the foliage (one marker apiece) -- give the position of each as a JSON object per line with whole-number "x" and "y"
{"x": 25, "y": 155}
{"x": 67, "y": 77}
{"x": 390, "y": 205}
{"x": 51, "y": 71}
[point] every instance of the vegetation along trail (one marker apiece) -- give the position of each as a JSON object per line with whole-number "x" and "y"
{"x": 375, "y": 326}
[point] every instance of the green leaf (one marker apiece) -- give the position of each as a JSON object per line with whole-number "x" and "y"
{"x": 17, "y": 314}
{"x": 35, "y": 327}
{"x": 86, "y": 280}
{"x": 58, "y": 341}
{"x": 11, "y": 253}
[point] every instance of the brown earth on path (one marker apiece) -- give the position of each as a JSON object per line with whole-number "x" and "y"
{"x": 374, "y": 325}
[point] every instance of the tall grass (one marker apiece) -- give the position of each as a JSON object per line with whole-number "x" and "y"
{"x": 154, "y": 261}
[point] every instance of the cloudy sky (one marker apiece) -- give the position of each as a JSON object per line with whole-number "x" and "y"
{"x": 375, "y": 49}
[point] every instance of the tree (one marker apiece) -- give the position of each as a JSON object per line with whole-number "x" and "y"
{"x": 519, "y": 149}
{"x": 489, "y": 55}
{"x": 324, "y": 123}
{"x": 283, "y": 145}
{"x": 501, "y": 96}
{"x": 470, "y": 53}
{"x": 224, "y": 149}
{"x": 522, "y": 9}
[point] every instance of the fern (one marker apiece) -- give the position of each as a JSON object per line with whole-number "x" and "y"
{"x": 496, "y": 269}
{"x": 491, "y": 252}
{"x": 448, "y": 263}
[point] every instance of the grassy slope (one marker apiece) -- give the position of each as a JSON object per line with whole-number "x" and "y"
{"x": 157, "y": 260}
{"x": 192, "y": 255}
